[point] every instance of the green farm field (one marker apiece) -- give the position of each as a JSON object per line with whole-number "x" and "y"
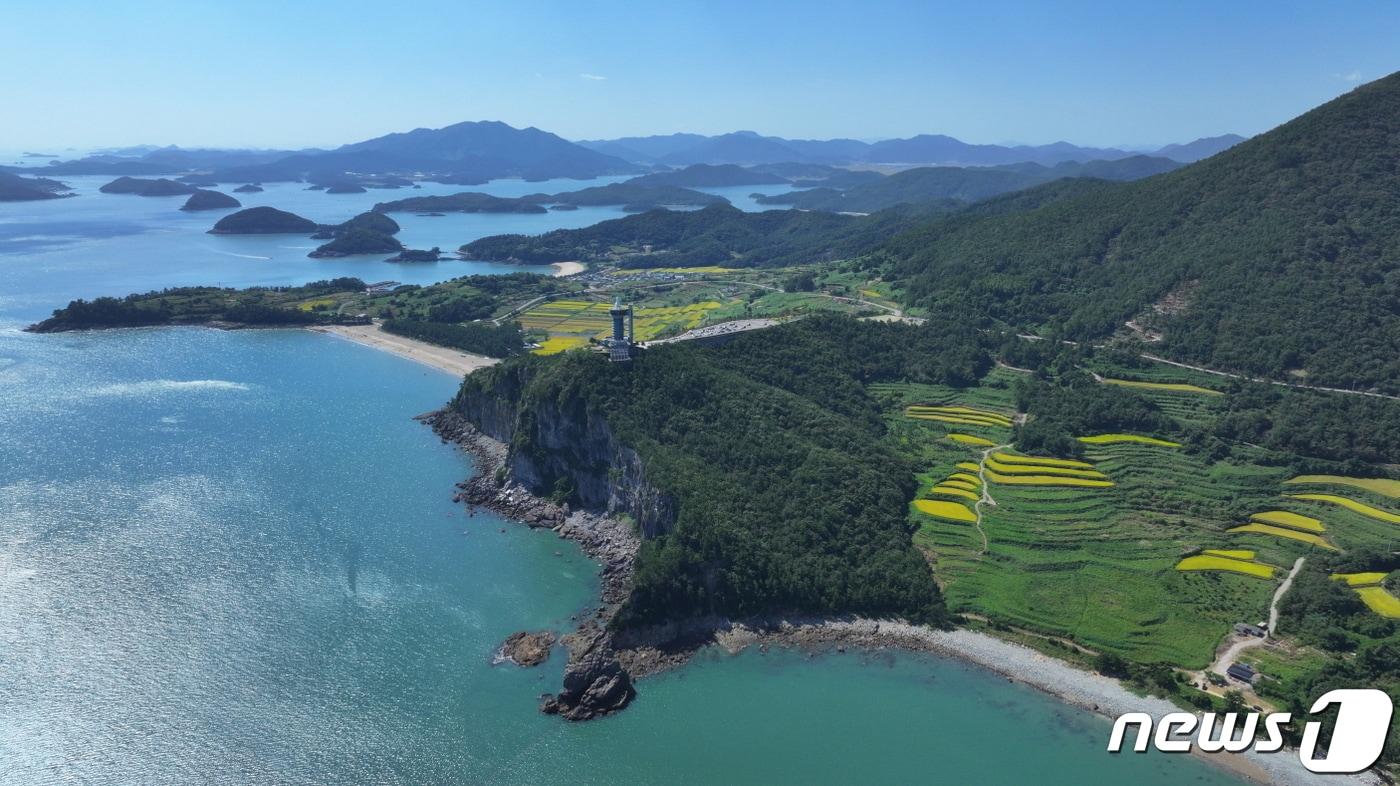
{"x": 1098, "y": 566}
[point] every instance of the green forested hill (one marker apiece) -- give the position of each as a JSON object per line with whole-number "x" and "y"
{"x": 963, "y": 184}
{"x": 716, "y": 235}
{"x": 787, "y": 497}
{"x": 1277, "y": 257}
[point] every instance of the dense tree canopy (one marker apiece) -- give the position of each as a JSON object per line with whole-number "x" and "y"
{"x": 1276, "y": 257}
{"x": 788, "y": 499}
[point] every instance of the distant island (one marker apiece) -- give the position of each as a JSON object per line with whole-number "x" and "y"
{"x": 417, "y": 255}
{"x": 210, "y": 200}
{"x": 709, "y": 176}
{"x": 263, "y": 221}
{"x": 465, "y": 202}
{"x": 149, "y": 188}
{"x": 636, "y": 196}
{"x": 14, "y": 188}
{"x": 358, "y": 241}
{"x": 250, "y": 188}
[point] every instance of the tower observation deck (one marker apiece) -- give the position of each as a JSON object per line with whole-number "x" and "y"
{"x": 620, "y": 344}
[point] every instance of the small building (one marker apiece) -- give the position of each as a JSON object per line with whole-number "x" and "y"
{"x": 380, "y": 287}
{"x": 1246, "y": 629}
{"x": 1243, "y": 672}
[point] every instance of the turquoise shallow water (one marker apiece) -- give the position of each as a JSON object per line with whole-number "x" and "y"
{"x": 231, "y": 557}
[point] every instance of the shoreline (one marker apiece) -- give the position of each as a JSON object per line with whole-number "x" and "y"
{"x": 451, "y": 361}
{"x": 642, "y": 653}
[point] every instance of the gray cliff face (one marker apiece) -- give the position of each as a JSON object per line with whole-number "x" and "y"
{"x": 551, "y": 439}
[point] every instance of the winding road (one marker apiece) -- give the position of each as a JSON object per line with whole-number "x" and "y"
{"x": 1230, "y": 654}
{"x": 986, "y": 495}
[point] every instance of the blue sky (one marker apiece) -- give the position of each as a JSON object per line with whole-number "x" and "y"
{"x": 296, "y": 73}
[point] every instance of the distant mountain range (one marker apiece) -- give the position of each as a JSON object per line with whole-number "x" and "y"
{"x": 472, "y": 153}
{"x": 465, "y": 153}
{"x": 747, "y": 147}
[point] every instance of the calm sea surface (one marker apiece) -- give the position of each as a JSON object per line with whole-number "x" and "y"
{"x": 231, "y": 557}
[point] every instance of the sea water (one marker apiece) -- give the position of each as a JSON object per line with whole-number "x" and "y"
{"x": 232, "y": 557}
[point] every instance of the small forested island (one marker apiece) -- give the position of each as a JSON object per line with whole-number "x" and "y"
{"x": 210, "y": 200}
{"x": 370, "y": 220}
{"x": 248, "y": 188}
{"x": 417, "y": 255}
{"x": 345, "y": 188}
{"x": 263, "y": 221}
{"x": 14, "y": 188}
{"x": 638, "y": 195}
{"x": 709, "y": 176}
{"x": 151, "y": 188}
{"x": 358, "y": 241}
{"x": 465, "y": 202}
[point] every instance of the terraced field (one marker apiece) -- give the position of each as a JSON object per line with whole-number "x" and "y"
{"x": 1360, "y": 579}
{"x": 556, "y": 344}
{"x": 571, "y": 323}
{"x": 1379, "y": 600}
{"x": 1357, "y": 506}
{"x": 1284, "y": 532}
{"x": 1382, "y": 486}
{"x": 1096, "y": 564}
{"x": 1376, "y": 597}
{"x": 1177, "y": 392}
{"x": 1164, "y": 387}
{"x": 1115, "y": 439}
{"x": 1099, "y": 563}
{"x": 1228, "y": 560}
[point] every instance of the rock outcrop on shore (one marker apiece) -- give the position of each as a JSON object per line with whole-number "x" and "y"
{"x": 595, "y": 681}
{"x": 527, "y": 649}
{"x": 595, "y": 684}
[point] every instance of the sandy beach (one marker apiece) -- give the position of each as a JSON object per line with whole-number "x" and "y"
{"x": 452, "y": 361}
{"x": 562, "y": 269}
{"x": 1094, "y": 692}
